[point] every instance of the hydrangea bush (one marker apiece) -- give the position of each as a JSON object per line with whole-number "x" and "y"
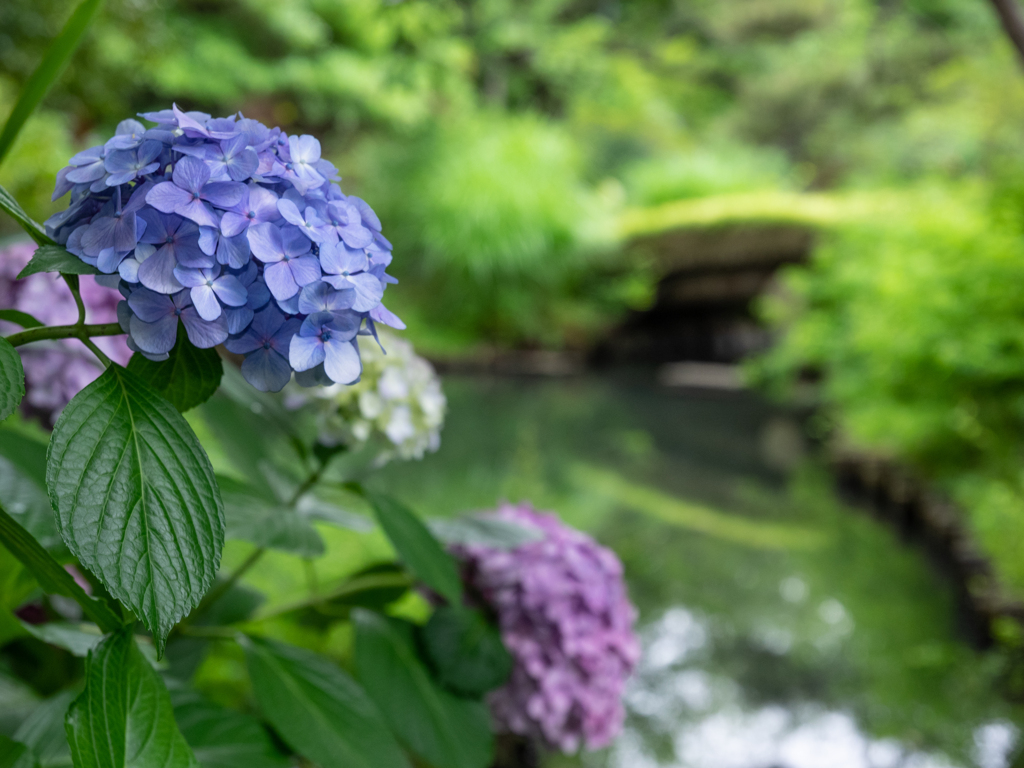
{"x": 565, "y": 617}
{"x": 193, "y": 233}
{"x": 398, "y": 404}
{"x": 186, "y": 234}
{"x": 239, "y": 231}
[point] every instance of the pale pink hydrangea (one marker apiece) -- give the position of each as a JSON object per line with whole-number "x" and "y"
{"x": 56, "y": 371}
{"x": 565, "y": 616}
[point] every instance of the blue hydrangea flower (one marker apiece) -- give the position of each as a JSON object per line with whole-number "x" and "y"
{"x": 210, "y": 289}
{"x": 235, "y": 231}
{"x": 265, "y": 345}
{"x": 327, "y": 337}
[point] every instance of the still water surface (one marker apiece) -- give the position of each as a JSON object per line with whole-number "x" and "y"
{"x": 781, "y": 629}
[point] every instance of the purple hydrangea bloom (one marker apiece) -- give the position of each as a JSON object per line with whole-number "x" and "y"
{"x": 211, "y": 223}
{"x": 56, "y": 371}
{"x": 565, "y": 617}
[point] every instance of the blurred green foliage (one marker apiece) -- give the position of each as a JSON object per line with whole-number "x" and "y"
{"x": 501, "y": 139}
{"x": 916, "y": 325}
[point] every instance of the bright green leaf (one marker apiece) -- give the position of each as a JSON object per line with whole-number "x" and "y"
{"x": 35, "y": 230}
{"x": 443, "y": 729}
{"x": 12, "y": 379}
{"x": 54, "y": 258}
{"x": 49, "y": 69}
{"x": 188, "y": 378}
{"x": 224, "y": 738}
{"x": 418, "y": 548}
{"x": 466, "y": 651}
{"x": 24, "y": 319}
{"x": 136, "y": 499}
{"x": 124, "y": 716}
{"x": 14, "y": 754}
{"x": 319, "y": 710}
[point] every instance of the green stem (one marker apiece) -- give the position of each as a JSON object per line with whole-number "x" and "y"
{"x": 308, "y": 483}
{"x": 72, "y": 281}
{"x": 64, "y": 332}
{"x": 51, "y": 575}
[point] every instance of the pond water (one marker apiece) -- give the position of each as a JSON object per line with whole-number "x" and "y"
{"x": 781, "y": 629}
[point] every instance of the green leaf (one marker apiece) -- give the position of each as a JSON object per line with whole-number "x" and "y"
{"x": 43, "y": 731}
{"x": 466, "y": 651}
{"x": 124, "y": 716}
{"x": 376, "y": 587}
{"x": 14, "y": 754}
{"x": 54, "y": 258}
{"x": 319, "y": 710}
{"x": 47, "y": 72}
{"x": 224, "y": 738}
{"x": 78, "y": 639}
{"x": 440, "y": 727}
{"x": 23, "y": 486}
{"x": 136, "y": 499}
{"x": 483, "y": 531}
{"x": 314, "y": 506}
{"x": 12, "y": 379}
{"x": 253, "y": 516}
{"x": 418, "y": 548}
{"x": 27, "y": 502}
{"x": 252, "y": 443}
{"x": 188, "y": 378}
{"x": 35, "y": 230}
{"x": 24, "y": 319}
{"x": 50, "y": 574}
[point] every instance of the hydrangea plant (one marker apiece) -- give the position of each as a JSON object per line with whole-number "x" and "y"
{"x": 186, "y": 233}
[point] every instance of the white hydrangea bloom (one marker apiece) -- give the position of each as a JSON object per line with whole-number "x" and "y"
{"x": 398, "y": 400}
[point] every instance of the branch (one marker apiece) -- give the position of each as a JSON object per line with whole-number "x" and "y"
{"x": 1013, "y": 23}
{"x": 64, "y": 332}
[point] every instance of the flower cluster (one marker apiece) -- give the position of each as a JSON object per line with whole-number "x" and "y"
{"x": 566, "y": 619}
{"x": 56, "y": 371}
{"x": 398, "y": 398}
{"x": 239, "y": 231}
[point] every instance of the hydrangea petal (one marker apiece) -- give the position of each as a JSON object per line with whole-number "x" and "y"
{"x": 202, "y": 333}
{"x": 167, "y": 197}
{"x": 205, "y": 301}
{"x": 341, "y": 361}
{"x": 157, "y": 272}
{"x": 305, "y": 352}
{"x": 280, "y": 280}
{"x": 157, "y": 337}
{"x": 266, "y": 370}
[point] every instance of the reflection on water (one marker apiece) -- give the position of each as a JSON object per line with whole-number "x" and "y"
{"x": 705, "y": 718}
{"x": 781, "y": 629}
